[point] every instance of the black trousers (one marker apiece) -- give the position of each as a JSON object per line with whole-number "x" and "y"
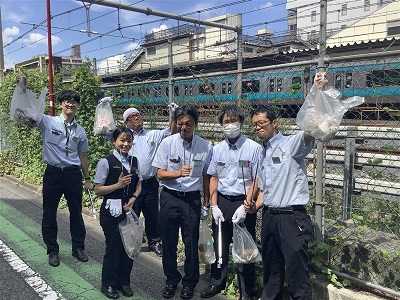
{"x": 58, "y": 182}
{"x": 245, "y": 272}
{"x": 284, "y": 238}
{"x": 147, "y": 202}
{"x": 180, "y": 212}
{"x": 117, "y": 266}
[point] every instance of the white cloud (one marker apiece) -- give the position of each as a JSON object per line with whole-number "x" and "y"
{"x": 266, "y": 5}
{"x": 37, "y": 38}
{"x": 130, "y": 47}
{"x": 111, "y": 64}
{"x": 9, "y": 33}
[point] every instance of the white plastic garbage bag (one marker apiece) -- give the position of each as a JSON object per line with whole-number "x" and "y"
{"x": 322, "y": 111}
{"x": 25, "y": 108}
{"x": 131, "y": 230}
{"x": 104, "y": 123}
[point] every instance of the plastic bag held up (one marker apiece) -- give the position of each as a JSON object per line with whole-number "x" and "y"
{"x": 25, "y": 108}
{"x": 205, "y": 246}
{"x": 244, "y": 250}
{"x": 131, "y": 231}
{"x": 104, "y": 122}
{"x": 322, "y": 111}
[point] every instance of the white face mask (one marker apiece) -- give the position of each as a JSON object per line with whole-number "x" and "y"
{"x": 232, "y": 130}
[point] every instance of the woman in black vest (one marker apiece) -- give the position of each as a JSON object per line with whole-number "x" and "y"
{"x": 118, "y": 180}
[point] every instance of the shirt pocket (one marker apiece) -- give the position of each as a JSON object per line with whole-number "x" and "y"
{"x": 174, "y": 163}
{"x": 55, "y": 137}
{"x": 243, "y": 169}
{"x": 222, "y": 169}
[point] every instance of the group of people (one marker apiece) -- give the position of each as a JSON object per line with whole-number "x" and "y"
{"x": 234, "y": 179}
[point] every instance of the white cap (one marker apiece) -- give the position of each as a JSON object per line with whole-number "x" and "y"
{"x": 129, "y": 111}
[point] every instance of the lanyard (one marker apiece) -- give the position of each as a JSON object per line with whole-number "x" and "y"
{"x": 69, "y": 133}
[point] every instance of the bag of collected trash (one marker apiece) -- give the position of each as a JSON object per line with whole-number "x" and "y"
{"x": 322, "y": 111}
{"x": 131, "y": 231}
{"x": 205, "y": 246}
{"x": 244, "y": 250}
{"x": 104, "y": 123}
{"x": 25, "y": 108}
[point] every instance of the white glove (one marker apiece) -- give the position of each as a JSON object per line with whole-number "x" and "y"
{"x": 172, "y": 107}
{"x": 114, "y": 206}
{"x": 240, "y": 215}
{"x": 204, "y": 212}
{"x": 217, "y": 214}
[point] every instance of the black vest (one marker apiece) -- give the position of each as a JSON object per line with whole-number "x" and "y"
{"x": 114, "y": 171}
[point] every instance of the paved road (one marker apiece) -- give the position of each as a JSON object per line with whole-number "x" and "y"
{"x": 24, "y": 270}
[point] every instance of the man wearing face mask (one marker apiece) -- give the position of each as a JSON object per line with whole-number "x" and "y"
{"x": 232, "y": 169}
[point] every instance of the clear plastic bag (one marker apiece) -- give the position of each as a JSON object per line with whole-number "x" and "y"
{"x": 244, "y": 250}
{"x": 206, "y": 246}
{"x": 322, "y": 111}
{"x": 25, "y": 108}
{"x": 104, "y": 123}
{"x": 131, "y": 230}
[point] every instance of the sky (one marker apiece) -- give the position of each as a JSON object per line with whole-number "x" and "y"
{"x": 115, "y": 34}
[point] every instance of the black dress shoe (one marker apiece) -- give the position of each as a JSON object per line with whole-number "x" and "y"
{"x": 211, "y": 291}
{"x": 110, "y": 292}
{"x": 126, "y": 290}
{"x": 169, "y": 291}
{"x": 157, "y": 249}
{"x": 80, "y": 255}
{"x": 187, "y": 293}
{"x": 54, "y": 260}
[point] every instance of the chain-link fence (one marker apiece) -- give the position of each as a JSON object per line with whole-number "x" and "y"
{"x": 361, "y": 164}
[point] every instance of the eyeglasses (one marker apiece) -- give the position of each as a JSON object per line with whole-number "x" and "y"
{"x": 70, "y": 102}
{"x": 133, "y": 116}
{"x": 260, "y": 123}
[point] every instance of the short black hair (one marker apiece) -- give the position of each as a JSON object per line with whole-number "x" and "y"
{"x": 190, "y": 110}
{"x": 68, "y": 95}
{"x": 264, "y": 109}
{"x": 120, "y": 130}
{"x": 231, "y": 111}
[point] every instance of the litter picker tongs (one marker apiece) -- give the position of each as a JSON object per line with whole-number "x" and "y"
{"x": 219, "y": 263}
{"x": 91, "y": 203}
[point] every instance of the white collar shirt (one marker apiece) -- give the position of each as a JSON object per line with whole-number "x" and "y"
{"x": 282, "y": 170}
{"x": 235, "y": 165}
{"x": 174, "y": 152}
{"x": 62, "y": 142}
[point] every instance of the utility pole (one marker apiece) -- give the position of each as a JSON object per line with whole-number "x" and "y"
{"x": 50, "y": 53}
{"x": 320, "y": 176}
{"x": 1, "y": 52}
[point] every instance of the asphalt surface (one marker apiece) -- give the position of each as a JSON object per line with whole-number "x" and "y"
{"x": 20, "y": 233}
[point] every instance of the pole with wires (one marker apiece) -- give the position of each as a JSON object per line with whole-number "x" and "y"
{"x": 50, "y": 53}
{"x": 319, "y": 184}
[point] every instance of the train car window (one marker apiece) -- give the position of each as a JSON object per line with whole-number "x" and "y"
{"x": 226, "y": 88}
{"x": 279, "y": 84}
{"x": 338, "y": 81}
{"x": 229, "y": 87}
{"x": 349, "y": 80}
{"x": 223, "y": 88}
{"x": 188, "y": 90}
{"x": 383, "y": 78}
{"x": 271, "y": 85}
{"x": 176, "y": 90}
{"x": 251, "y": 86}
{"x": 296, "y": 84}
{"x": 157, "y": 91}
{"x": 207, "y": 89}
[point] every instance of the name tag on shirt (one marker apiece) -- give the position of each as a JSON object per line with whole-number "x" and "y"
{"x": 276, "y": 160}
{"x": 220, "y": 164}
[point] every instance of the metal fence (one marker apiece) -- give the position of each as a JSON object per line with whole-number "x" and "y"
{"x": 361, "y": 178}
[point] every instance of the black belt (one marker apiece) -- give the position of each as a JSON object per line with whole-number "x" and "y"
{"x": 179, "y": 193}
{"x": 145, "y": 181}
{"x": 63, "y": 169}
{"x": 233, "y": 198}
{"x": 284, "y": 210}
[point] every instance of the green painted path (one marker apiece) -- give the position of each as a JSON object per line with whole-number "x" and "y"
{"x": 72, "y": 278}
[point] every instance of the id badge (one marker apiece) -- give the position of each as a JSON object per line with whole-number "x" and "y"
{"x": 197, "y": 168}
